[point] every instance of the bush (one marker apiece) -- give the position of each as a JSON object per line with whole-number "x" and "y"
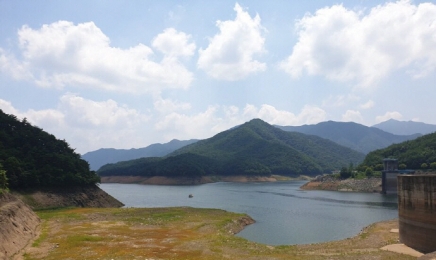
{"x": 369, "y": 172}
{"x": 3, "y": 180}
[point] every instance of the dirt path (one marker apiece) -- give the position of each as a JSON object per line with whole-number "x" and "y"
{"x": 185, "y": 233}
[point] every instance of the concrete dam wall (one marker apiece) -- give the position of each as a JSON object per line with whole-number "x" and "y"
{"x": 417, "y": 211}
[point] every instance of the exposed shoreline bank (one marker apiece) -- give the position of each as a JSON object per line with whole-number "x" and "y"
{"x": 330, "y": 183}
{"x": 161, "y": 180}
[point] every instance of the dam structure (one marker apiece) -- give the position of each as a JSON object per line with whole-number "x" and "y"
{"x": 417, "y": 211}
{"x": 389, "y": 176}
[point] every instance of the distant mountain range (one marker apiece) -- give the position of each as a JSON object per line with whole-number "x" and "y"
{"x": 103, "y": 156}
{"x": 406, "y": 127}
{"x": 254, "y": 148}
{"x": 355, "y": 136}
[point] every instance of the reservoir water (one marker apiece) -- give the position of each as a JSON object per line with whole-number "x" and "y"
{"x": 284, "y": 214}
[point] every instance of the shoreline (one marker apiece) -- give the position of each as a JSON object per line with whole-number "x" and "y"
{"x": 162, "y": 180}
{"x": 326, "y": 182}
{"x": 189, "y": 233}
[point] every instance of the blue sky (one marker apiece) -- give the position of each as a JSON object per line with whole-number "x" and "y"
{"x": 126, "y": 74}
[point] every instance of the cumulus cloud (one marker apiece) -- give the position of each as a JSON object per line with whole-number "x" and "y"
{"x": 389, "y": 115}
{"x": 64, "y": 54}
{"x": 88, "y": 113}
{"x": 364, "y": 47}
{"x": 174, "y": 44}
{"x": 308, "y": 115}
{"x": 230, "y": 54}
{"x": 87, "y": 124}
{"x": 352, "y": 116}
{"x": 216, "y": 119}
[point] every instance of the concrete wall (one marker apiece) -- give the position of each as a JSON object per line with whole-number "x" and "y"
{"x": 417, "y": 211}
{"x": 389, "y": 182}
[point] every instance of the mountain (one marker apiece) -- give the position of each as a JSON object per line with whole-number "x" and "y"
{"x": 254, "y": 148}
{"x": 104, "y": 156}
{"x": 355, "y": 136}
{"x": 33, "y": 158}
{"x": 405, "y": 127}
{"x": 412, "y": 153}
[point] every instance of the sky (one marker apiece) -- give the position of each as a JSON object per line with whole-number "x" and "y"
{"x": 127, "y": 74}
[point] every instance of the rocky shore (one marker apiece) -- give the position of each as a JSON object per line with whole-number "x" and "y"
{"x": 328, "y": 182}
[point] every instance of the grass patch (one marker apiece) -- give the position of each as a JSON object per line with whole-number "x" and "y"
{"x": 181, "y": 233}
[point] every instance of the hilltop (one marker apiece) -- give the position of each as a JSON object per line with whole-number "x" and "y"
{"x": 405, "y": 127}
{"x": 103, "y": 156}
{"x": 355, "y": 136}
{"x": 252, "y": 149}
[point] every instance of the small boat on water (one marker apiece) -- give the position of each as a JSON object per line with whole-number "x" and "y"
{"x": 191, "y": 196}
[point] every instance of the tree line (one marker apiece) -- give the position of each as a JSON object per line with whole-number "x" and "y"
{"x": 33, "y": 158}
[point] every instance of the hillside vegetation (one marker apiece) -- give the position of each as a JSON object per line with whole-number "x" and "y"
{"x": 33, "y": 158}
{"x": 355, "y": 136}
{"x": 104, "y": 156}
{"x": 254, "y": 148}
{"x": 415, "y": 154}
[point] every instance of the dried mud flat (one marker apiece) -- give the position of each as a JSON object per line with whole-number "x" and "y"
{"x": 184, "y": 233}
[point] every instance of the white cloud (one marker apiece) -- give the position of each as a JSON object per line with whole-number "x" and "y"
{"x": 352, "y": 116}
{"x": 173, "y": 43}
{"x": 63, "y": 54}
{"x": 351, "y": 46}
{"x": 368, "y": 105}
{"x": 389, "y": 115}
{"x": 167, "y": 106}
{"x": 230, "y": 54}
{"x": 88, "y": 113}
{"x": 7, "y": 108}
{"x": 88, "y": 124}
{"x": 308, "y": 115}
{"x": 91, "y": 125}
{"x": 216, "y": 119}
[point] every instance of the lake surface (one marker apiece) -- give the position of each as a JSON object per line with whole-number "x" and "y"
{"x": 284, "y": 214}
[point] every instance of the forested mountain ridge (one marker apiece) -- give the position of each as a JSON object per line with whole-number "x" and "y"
{"x": 254, "y": 148}
{"x": 104, "y": 156}
{"x": 34, "y": 158}
{"x": 355, "y": 136}
{"x": 405, "y": 127}
{"x": 414, "y": 154}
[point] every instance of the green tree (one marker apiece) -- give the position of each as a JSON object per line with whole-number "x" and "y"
{"x": 345, "y": 173}
{"x": 433, "y": 165}
{"x": 424, "y": 166}
{"x": 402, "y": 166}
{"x": 378, "y": 167}
{"x": 369, "y": 172}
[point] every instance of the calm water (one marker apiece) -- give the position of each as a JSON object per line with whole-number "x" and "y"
{"x": 284, "y": 214}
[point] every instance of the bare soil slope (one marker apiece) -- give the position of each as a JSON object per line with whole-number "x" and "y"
{"x": 18, "y": 226}
{"x": 90, "y": 196}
